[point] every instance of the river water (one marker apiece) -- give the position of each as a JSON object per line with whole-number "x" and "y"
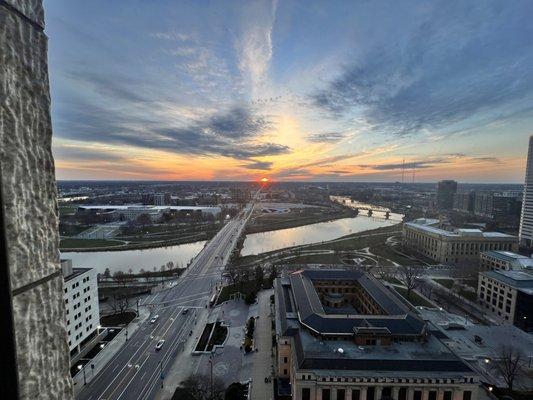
{"x": 135, "y": 260}
{"x": 255, "y": 243}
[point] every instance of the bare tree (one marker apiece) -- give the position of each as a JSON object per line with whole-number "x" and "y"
{"x": 120, "y": 304}
{"x": 409, "y": 275}
{"x": 509, "y": 363}
{"x": 200, "y": 387}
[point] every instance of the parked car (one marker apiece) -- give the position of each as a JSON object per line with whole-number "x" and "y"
{"x": 159, "y": 345}
{"x": 154, "y": 318}
{"x": 185, "y": 311}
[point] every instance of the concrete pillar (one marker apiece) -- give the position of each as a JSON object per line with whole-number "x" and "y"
{"x": 410, "y": 393}
{"x": 440, "y": 394}
{"x": 348, "y": 393}
{"x": 395, "y": 392}
{"x": 318, "y": 393}
{"x": 30, "y": 205}
{"x": 425, "y": 393}
{"x": 377, "y": 395}
{"x": 363, "y": 393}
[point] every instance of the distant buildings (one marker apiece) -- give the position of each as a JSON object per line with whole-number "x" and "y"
{"x": 445, "y": 194}
{"x": 423, "y": 236}
{"x": 499, "y": 205}
{"x": 81, "y": 305}
{"x": 133, "y": 212}
{"x": 464, "y": 201}
{"x": 342, "y": 335}
{"x": 526, "y": 218}
{"x": 509, "y": 295}
{"x": 159, "y": 199}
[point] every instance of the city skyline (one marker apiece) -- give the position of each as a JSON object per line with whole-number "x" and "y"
{"x": 291, "y": 90}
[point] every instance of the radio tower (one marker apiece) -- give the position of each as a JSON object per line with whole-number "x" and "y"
{"x": 403, "y": 170}
{"x": 414, "y": 170}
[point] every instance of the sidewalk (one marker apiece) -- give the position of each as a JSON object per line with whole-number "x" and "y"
{"x": 102, "y": 358}
{"x": 262, "y": 360}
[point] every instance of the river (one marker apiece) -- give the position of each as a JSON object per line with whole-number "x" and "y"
{"x": 135, "y": 260}
{"x": 254, "y": 243}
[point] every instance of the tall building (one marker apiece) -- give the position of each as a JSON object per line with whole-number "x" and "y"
{"x": 445, "y": 194}
{"x": 81, "y": 305}
{"x": 159, "y": 199}
{"x": 342, "y": 335}
{"x": 35, "y": 354}
{"x": 526, "y": 218}
{"x": 464, "y": 202}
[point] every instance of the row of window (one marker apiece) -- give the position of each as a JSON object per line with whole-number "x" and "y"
{"x": 371, "y": 394}
{"x": 377, "y": 380}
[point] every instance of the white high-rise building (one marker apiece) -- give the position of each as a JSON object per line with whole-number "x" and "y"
{"x": 526, "y": 218}
{"x": 81, "y": 304}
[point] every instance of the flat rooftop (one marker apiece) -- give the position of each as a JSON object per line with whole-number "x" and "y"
{"x": 424, "y": 225}
{"x": 76, "y": 272}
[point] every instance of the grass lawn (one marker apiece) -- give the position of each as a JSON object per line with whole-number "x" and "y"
{"x": 447, "y": 283}
{"x": 87, "y": 243}
{"x": 468, "y": 295}
{"x": 415, "y": 299}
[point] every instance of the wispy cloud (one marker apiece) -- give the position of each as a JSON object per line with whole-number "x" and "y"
{"x": 326, "y": 137}
{"x": 462, "y": 61}
{"x": 254, "y": 46}
{"x": 258, "y": 165}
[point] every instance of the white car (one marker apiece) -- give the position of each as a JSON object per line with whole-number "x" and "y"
{"x": 155, "y": 317}
{"x": 185, "y": 311}
{"x": 159, "y": 345}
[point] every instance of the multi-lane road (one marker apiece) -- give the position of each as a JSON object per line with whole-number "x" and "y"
{"x": 137, "y": 370}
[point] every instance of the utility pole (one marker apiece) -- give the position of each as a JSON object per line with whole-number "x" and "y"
{"x": 403, "y": 170}
{"x": 211, "y": 374}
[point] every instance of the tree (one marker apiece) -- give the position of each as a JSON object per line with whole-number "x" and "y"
{"x": 409, "y": 275}
{"x": 509, "y": 363}
{"x": 144, "y": 219}
{"x": 236, "y": 391}
{"x": 259, "y": 277}
{"x": 199, "y": 387}
{"x": 107, "y": 273}
{"x": 120, "y": 304}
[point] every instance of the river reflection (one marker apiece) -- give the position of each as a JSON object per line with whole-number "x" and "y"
{"x": 267, "y": 241}
{"x": 135, "y": 260}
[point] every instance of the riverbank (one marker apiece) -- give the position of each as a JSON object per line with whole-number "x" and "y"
{"x": 370, "y": 247}
{"x": 90, "y": 245}
{"x": 297, "y": 218}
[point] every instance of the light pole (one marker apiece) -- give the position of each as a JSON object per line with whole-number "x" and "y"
{"x": 211, "y": 374}
{"x": 126, "y": 334}
{"x": 81, "y": 367}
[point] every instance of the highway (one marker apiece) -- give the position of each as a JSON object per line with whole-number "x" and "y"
{"x": 135, "y": 371}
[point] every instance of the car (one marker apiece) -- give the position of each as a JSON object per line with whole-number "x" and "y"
{"x": 159, "y": 344}
{"x": 154, "y": 318}
{"x": 185, "y": 311}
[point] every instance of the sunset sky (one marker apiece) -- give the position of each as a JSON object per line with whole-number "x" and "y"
{"x": 292, "y": 90}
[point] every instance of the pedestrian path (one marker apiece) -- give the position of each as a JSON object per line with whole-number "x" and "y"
{"x": 262, "y": 360}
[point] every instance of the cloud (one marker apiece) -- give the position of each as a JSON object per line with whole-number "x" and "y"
{"x": 254, "y": 47}
{"x": 259, "y": 165}
{"x": 327, "y": 137}
{"x": 463, "y": 62}
{"x": 407, "y": 165}
{"x": 233, "y": 133}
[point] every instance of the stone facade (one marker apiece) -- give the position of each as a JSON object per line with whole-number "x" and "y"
{"x": 29, "y": 194}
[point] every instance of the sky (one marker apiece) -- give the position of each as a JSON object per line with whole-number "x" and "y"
{"x": 291, "y": 90}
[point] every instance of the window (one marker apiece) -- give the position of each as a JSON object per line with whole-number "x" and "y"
{"x": 341, "y": 394}
{"x": 467, "y": 395}
{"x": 447, "y": 395}
{"x": 417, "y": 395}
{"x": 306, "y": 394}
{"x": 402, "y": 394}
{"x": 285, "y": 372}
{"x": 326, "y": 394}
{"x": 432, "y": 395}
{"x": 356, "y": 394}
{"x": 285, "y": 360}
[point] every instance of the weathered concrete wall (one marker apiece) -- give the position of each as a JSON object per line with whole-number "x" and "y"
{"x": 29, "y": 190}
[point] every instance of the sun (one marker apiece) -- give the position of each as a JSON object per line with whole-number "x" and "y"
{"x": 265, "y": 179}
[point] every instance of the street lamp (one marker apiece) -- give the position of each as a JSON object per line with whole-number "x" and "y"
{"x": 126, "y": 334}
{"x": 81, "y": 367}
